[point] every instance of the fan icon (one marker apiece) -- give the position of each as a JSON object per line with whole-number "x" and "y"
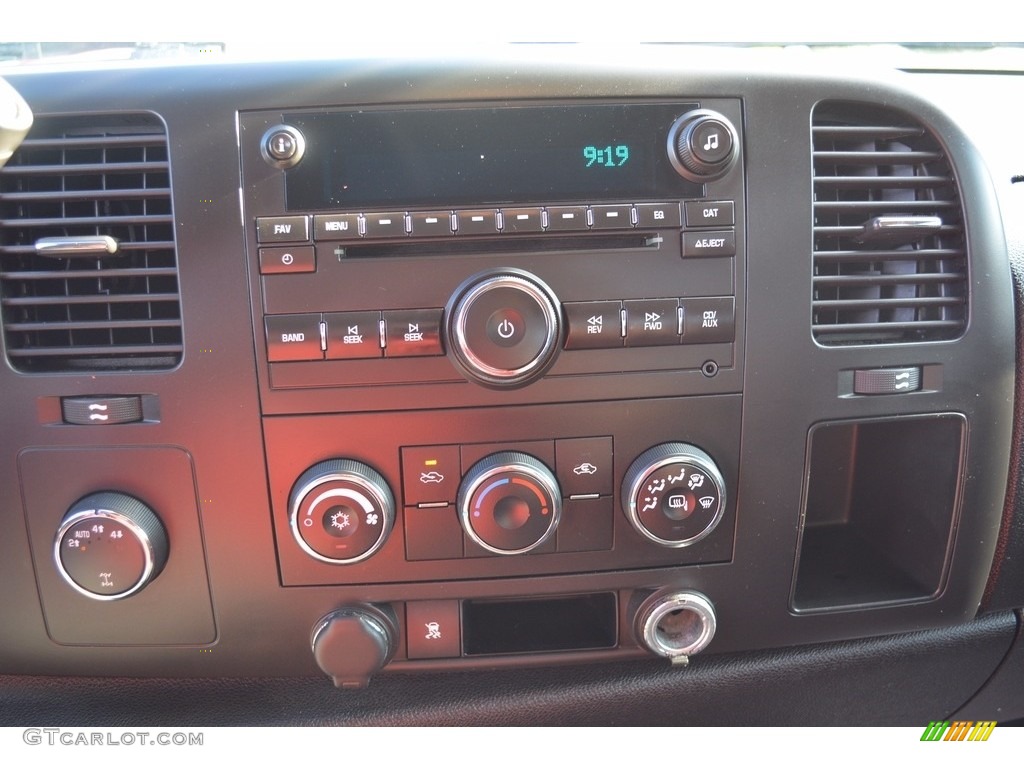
{"x": 372, "y": 519}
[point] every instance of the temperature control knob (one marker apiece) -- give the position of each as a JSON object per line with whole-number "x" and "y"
{"x": 702, "y": 145}
{"x": 341, "y": 511}
{"x": 110, "y": 545}
{"x": 509, "y": 503}
{"x": 674, "y": 494}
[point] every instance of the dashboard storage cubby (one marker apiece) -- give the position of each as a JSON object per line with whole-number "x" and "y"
{"x": 880, "y": 510}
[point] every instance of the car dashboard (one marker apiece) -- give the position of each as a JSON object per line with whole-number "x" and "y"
{"x": 524, "y": 389}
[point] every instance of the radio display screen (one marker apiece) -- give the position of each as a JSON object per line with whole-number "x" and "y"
{"x": 485, "y": 156}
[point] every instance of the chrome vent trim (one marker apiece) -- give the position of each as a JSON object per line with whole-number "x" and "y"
{"x": 87, "y": 177}
{"x": 889, "y": 260}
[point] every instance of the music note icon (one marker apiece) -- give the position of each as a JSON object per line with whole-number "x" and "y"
{"x": 712, "y": 142}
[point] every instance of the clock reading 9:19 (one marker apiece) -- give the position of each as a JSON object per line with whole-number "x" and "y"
{"x": 607, "y": 157}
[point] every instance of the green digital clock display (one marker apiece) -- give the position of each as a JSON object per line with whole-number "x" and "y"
{"x": 606, "y": 157}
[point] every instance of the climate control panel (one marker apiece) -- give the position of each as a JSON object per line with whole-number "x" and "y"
{"x": 422, "y": 497}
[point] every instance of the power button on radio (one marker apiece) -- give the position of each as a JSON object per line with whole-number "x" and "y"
{"x": 503, "y": 328}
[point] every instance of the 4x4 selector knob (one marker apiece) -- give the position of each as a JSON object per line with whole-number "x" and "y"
{"x": 503, "y": 328}
{"x": 509, "y": 503}
{"x": 110, "y": 545}
{"x": 702, "y": 145}
{"x": 673, "y": 494}
{"x": 341, "y": 511}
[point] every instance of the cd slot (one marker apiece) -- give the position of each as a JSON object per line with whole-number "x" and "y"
{"x": 491, "y": 245}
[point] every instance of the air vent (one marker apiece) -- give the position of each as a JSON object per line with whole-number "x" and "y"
{"x": 889, "y": 254}
{"x": 101, "y": 181}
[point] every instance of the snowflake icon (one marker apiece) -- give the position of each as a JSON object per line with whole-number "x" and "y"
{"x": 340, "y": 520}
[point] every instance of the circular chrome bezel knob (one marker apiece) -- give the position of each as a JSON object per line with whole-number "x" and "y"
{"x": 360, "y": 489}
{"x": 668, "y": 473}
{"x": 132, "y": 517}
{"x": 531, "y": 479}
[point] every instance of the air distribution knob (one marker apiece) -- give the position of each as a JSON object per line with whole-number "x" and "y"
{"x": 509, "y": 503}
{"x": 673, "y": 494}
{"x": 702, "y": 145}
{"x": 109, "y": 546}
{"x": 341, "y": 511}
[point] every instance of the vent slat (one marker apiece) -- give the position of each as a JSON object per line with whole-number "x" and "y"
{"x": 882, "y": 206}
{"x": 87, "y": 221}
{"x": 122, "y": 247}
{"x": 58, "y": 301}
{"x": 79, "y": 142}
{"x": 82, "y": 168}
{"x": 883, "y": 182}
{"x": 92, "y": 326}
{"x": 90, "y": 194}
{"x": 912, "y": 326}
{"x": 922, "y": 254}
{"x": 827, "y": 281}
{"x": 878, "y": 158}
{"x": 865, "y": 131}
{"x": 142, "y": 350}
{"x": 85, "y": 175}
{"x": 870, "y": 286}
{"x": 881, "y": 304}
{"x": 94, "y": 274}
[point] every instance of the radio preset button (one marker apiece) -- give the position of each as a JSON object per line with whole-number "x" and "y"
{"x": 352, "y": 335}
{"x": 341, "y": 226}
{"x": 521, "y": 220}
{"x": 656, "y": 215}
{"x": 282, "y": 229}
{"x": 384, "y": 224}
{"x": 431, "y": 224}
{"x": 413, "y": 332}
{"x": 567, "y": 218}
{"x": 710, "y": 213}
{"x": 612, "y": 216}
{"x": 293, "y": 337}
{"x": 476, "y": 222}
{"x": 651, "y": 322}
{"x": 593, "y": 324}
{"x": 280, "y": 261}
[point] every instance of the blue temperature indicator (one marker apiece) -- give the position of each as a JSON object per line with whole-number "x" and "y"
{"x": 606, "y": 157}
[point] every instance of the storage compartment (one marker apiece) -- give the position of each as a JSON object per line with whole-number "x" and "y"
{"x": 881, "y": 503}
{"x": 577, "y": 623}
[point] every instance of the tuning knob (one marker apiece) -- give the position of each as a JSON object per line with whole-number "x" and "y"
{"x": 702, "y": 145}
{"x": 341, "y": 511}
{"x": 509, "y": 503}
{"x": 673, "y": 494}
{"x": 355, "y": 642}
{"x": 110, "y": 545}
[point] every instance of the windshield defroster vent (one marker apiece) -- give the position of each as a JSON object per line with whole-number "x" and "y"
{"x": 88, "y": 269}
{"x": 889, "y": 253}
